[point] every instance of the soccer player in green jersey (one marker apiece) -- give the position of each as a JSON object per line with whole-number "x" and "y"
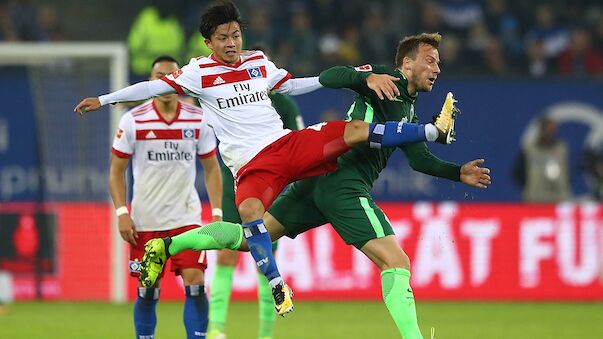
{"x": 343, "y": 197}
{"x": 221, "y": 285}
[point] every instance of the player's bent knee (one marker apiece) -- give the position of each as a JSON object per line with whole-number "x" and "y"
{"x": 193, "y": 276}
{"x": 251, "y": 209}
{"x": 227, "y": 258}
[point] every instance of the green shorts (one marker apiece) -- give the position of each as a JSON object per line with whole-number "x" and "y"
{"x": 229, "y": 208}
{"x": 316, "y": 201}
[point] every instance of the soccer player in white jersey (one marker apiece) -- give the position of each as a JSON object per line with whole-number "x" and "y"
{"x": 163, "y": 137}
{"x": 232, "y": 86}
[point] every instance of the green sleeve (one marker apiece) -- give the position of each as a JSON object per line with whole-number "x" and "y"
{"x": 422, "y": 160}
{"x": 345, "y": 77}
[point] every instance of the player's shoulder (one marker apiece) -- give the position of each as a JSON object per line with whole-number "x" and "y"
{"x": 375, "y": 68}
{"x": 140, "y": 110}
{"x": 252, "y": 55}
{"x": 190, "y": 108}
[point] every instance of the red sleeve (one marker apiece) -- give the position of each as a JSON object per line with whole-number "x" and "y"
{"x": 280, "y": 83}
{"x": 120, "y": 154}
{"x": 207, "y": 155}
{"x": 174, "y": 85}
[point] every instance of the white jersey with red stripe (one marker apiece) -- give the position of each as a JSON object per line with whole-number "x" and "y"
{"x": 235, "y": 101}
{"x": 163, "y": 164}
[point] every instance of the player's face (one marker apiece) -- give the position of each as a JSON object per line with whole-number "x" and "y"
{"x": 161, "y": 69}
{"x": 425, "y": 68}
{"x": 226, "y": 42}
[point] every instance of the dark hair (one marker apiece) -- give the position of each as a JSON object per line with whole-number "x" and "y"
{"x": 164, "y": 58}
{"x": 217, "y": 15}
{"x": 409, "y": 46}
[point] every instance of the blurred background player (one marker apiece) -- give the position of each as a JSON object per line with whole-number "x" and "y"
{"x": 233, "y": 92}
{"x": 164, "y": 136}
{"x": 343, "y": 198}
{"x": 221, "y": 285}
{"x": 542, "y": 166}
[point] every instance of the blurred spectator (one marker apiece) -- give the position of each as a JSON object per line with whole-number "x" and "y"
{"x": 537, "y": 63}
{"x": 302, "y": 42}
{"x": 430, "y": 19}
{"x": 461, "y": 15}
{"x": 542, "y": 166}
{"x": 23, "y": 15}
{"x": 50, "y": 24}
{"x": 551, "y": 35}
{"x": 592, "y": 165}
{"x": 259, "y": 30}
{"x": 7, "y": 30}
{"x": 580, "y": 58}
{"x": 375, "y": 25}
{"x": 155, "y": 31}
{"x": 504, "y": 25}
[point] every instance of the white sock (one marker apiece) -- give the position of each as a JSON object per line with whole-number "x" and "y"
{"x": 431, "y": 132}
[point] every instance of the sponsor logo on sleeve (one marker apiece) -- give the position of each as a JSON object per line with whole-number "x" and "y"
{"x": 364, "y": 68}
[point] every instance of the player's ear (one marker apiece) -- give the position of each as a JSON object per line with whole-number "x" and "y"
{"x": 208, "y": 44}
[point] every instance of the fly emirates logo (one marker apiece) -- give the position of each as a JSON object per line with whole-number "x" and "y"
{"x": 171, "y": 153}
{"x": 242, "y": 97}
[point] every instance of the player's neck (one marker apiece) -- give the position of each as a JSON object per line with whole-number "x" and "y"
{"x": 409, "y": 87}
{"x": 167, "y": 109}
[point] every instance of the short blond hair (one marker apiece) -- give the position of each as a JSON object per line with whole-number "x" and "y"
{"x": 409, "y": 46}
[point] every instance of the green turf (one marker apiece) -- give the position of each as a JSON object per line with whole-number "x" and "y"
{"x": 314, "y": 320}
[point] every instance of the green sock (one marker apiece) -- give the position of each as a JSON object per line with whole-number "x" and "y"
{"x": 214, "y": 236}
{"x": 266, "y": 307}
{"x": 221, "y": 286}
{"x": 400, "y": 302}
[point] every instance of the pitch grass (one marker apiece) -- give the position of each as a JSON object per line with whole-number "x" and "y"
{"x": 317, "y": 320}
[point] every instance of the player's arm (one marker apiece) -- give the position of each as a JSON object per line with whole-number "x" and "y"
{"x": 213, "y": 184}
{"x": 422, "y": 160}
{"x": 137, "y": 92}
{"x": 117, "y": 187}
{"x": 361, "y": 80}
{"x": 299, "y": 86}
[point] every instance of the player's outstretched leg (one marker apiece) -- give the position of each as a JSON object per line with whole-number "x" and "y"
{"x": 214, "y": 236}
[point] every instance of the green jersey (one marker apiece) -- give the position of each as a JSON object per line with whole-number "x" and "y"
{"x": 288, "y": 110}
{"x": 363, "y": 164}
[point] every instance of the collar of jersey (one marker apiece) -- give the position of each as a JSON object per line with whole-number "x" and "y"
{"x": 161, "y": 116}
{"x": 211, "y": 56}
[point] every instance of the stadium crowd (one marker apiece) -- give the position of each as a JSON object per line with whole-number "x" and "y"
{"x": 481, "y": 37}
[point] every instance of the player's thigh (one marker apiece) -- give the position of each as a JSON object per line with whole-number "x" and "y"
{"x": 354, "y": 216}
{"x": 229, "y": 208}
{"x": 294, "y": 211}
{"x": 188, "y": 259}
{"x": 137, "y": 252}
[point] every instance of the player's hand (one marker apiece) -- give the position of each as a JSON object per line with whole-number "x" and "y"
{"x": 215, "y": 218}
{"x": 127, "y": 229}
{"x": 383, "y": 85}
{"x": 86, "y": 105}
{"x": 473, "y": 175}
